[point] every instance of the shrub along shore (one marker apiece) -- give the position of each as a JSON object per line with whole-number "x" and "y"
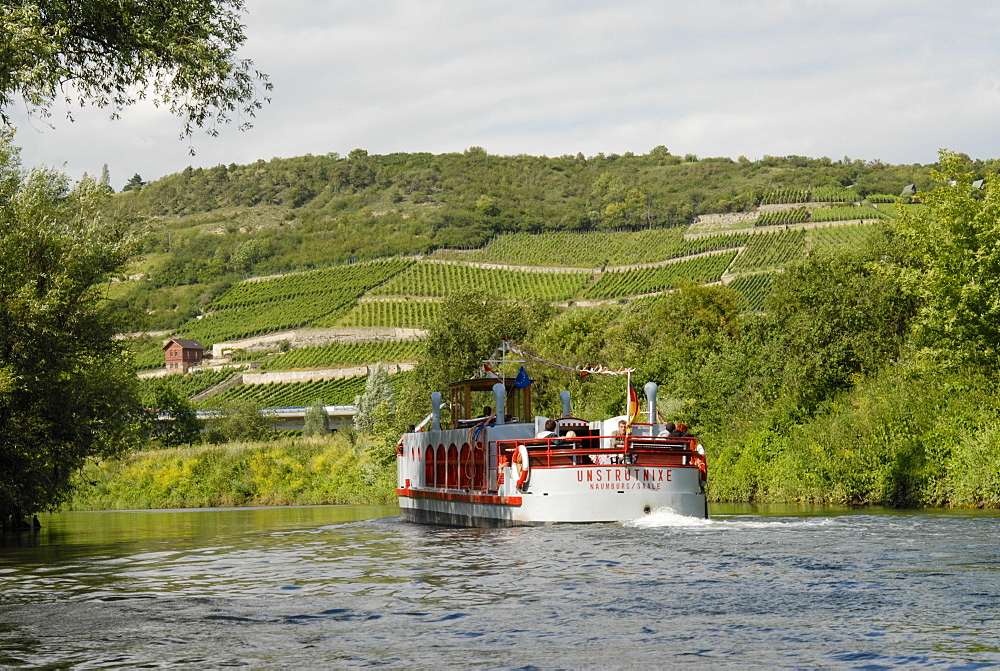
{"x": 290, "y": 471}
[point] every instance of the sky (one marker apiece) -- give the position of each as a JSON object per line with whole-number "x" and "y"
{"x": 872, "y": 79}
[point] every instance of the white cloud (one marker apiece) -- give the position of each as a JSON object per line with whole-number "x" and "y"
{"x": 882, "y": 80}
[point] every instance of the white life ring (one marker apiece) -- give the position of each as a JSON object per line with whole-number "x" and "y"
{"x": 523, "y": 466}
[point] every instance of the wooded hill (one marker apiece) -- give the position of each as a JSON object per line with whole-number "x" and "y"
{"x": 214, "y": 227}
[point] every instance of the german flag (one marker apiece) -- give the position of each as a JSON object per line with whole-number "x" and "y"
{"x": 633, "y": 403}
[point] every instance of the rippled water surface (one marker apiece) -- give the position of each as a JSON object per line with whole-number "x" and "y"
{"x": 327, "y": 587}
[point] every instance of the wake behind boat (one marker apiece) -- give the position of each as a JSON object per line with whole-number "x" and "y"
{"x": 497, "y": 470}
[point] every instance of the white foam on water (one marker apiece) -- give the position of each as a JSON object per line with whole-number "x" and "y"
{"x": 663, "y": 517}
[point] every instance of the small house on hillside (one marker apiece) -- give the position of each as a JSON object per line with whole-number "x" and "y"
{"x": 180, "y": 354}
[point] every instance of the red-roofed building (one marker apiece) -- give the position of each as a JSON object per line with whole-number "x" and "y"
{"x": 180, "y": 354}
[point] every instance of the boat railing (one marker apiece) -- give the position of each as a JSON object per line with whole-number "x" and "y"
{"x": 581, "y": 450}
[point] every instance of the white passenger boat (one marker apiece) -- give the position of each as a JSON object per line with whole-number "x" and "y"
{"x": 494, "y": 471}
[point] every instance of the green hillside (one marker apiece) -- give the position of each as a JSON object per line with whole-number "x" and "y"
{"x": 377, "y": 241}
{"x": 215, "y": 227}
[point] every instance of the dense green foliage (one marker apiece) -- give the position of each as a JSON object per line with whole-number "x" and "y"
{"x": 281, "y": 472}
{"x": 162, "y": 398}
{"x": 956, "y": 267}
{"x": 316, "y": 422}
{"x": 376, "y": 402}
{"x": 180, "y": 54}
{"x": 67, "y": 387}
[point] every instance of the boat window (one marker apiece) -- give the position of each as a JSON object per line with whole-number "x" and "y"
{"x": 429, "y": 467}
{"x": 452, "y": 482}
{"x": 440, "y": 480}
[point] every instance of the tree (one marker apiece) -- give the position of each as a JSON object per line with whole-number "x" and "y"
{"x": 178, "y": 53}
{"x": 68, "y": 390}
{"x": 105, "y": 180}
{"x": 183, "y": 427}
{"x": 378, "y": 393}
{"x": 240, "y": 422}
{"x": 468, "y": 329}
{"x": 317, "y": 422}
{"x": 134, "y": 183}
{"x": 956, "y": 268}
{"x": 248, "y": 253}
{"x": 832, "y": 319}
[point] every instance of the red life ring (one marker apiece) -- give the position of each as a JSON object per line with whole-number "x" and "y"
{"x": 523, "y": 466}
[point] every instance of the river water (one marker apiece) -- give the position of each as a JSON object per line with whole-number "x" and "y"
{"x": 344, "y": 586}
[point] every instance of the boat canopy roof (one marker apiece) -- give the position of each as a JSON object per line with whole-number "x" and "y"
{"x": 464, "y": 403}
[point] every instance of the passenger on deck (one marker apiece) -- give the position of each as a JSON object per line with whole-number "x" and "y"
{"x": 550, "y": 430}
{"x": 620, "y": 433}
{"x": 682, "y": 431}
{"x": 618, "y": 443}
{"x": 669, "y": 430}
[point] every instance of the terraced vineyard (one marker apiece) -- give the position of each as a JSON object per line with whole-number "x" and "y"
{"x": 754, "y": 288}
{"x": 833, "y": 194}
{"x": 596, "y": 248}
{"x": 819, "y": 194}
{"x": 344, "y": 354}
{"x": 785, "y": 196}
{"x": 846, "y": 213}
{"x": 284, "y": 394}
{"x": 291, "y": 301}
{"x": 833, "y": 236}
{"x": 401, "y": 313}
{"x": 799, "y": 215}
{"x": 626, "y": 283}
{"x": 296, "y": 394}
{"x": 442, "y": 279}
{"x": 769, "y": 251}
{"x": 193, "y": 383}
{"x": 149, "y": 355}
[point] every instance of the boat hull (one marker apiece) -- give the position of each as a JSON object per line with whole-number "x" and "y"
{"x": 576, "y": 495}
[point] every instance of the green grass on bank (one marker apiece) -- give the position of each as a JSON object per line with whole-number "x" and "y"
{"x": 290, "y": 471}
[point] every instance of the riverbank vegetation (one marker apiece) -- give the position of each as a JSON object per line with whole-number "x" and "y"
{"x": 283, "y": 471}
